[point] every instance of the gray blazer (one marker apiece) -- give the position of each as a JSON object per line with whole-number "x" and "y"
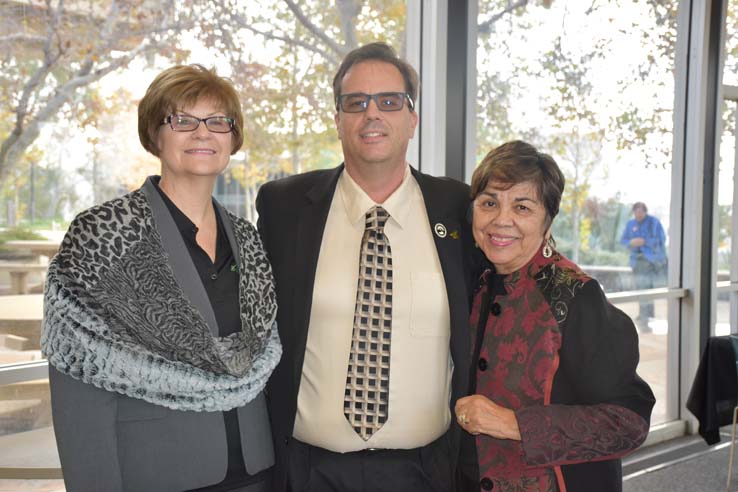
{"x": 114, "y": 443}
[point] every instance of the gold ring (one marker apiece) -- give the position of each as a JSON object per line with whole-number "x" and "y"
{"x": 462, "y": 418}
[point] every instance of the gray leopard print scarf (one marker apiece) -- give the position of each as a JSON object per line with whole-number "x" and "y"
{"x": 115, "y": 316}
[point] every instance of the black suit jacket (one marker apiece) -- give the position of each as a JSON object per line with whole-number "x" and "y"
{"x": 292, "y": 217}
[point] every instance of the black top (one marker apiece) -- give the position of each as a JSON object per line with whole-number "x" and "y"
{"x": 220, "y": 279}
{"x": 496, "y": 287}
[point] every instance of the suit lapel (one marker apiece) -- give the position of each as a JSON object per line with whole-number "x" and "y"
{"x": 179, "y": 257}
{"x": 311, "y": 219}
{"x": 449, "y": 236}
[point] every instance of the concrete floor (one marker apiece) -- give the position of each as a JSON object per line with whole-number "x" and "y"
{"x": 32, "y": 486}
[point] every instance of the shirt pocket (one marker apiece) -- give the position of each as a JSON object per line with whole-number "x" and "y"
{"x": 429, "y": 305}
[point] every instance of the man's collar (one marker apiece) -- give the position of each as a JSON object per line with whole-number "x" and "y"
{"x": 358, "y": 203}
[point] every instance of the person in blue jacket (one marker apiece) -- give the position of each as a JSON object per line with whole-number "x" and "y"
{"x": 645, "y": 238}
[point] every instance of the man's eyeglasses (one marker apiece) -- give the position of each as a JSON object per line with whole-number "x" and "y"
{"x": 186, "y": 123}
{"x": 358, "y": 102}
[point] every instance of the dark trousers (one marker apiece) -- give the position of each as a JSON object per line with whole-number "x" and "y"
{"x": 313, "y": 469}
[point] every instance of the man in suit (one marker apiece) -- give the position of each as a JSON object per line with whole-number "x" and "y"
{"x": 370, "y": 264}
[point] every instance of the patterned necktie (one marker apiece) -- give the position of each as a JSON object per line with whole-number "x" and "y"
{"x": 367, "y": 381}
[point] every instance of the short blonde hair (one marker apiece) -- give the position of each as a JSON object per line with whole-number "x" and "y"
{"x": 184, "y": 85}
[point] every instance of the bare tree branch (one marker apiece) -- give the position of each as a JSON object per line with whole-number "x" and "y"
{"x": 485, "y": 27}
{"x": 347, "y": 11}
{"x": 21, "y": 110}
{"x": 22, "y": 37}
{"x": 295, "y": 42}
{"x": 91, "y": 69}
{"x": 315, "y": 30}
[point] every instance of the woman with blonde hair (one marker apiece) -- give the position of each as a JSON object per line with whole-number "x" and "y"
{"x": 160, "y": 310}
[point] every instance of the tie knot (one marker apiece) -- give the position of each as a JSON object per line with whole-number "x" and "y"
{"x": 376, "y": 217}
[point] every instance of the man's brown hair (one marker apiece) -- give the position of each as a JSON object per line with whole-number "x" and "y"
{"x": 381, "y": 52}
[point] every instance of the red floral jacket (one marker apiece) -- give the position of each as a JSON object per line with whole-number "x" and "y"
{"x": 564, "y": 359}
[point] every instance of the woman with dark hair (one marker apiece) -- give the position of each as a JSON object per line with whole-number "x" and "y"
{"x": 159, "y": 316}
{"x": 554, "y": 398}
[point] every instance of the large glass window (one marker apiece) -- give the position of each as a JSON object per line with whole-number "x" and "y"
{"x": 592, "y": 84}
{"x": 74, "y": 105}
{"x": 726, "y": 247}
{"x": 724, "y": 220}
{"x": 730, "y": 68}
{"x": 71, "y": 76}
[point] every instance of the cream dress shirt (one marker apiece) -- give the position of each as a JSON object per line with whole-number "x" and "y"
{"x": 420, "y": 362}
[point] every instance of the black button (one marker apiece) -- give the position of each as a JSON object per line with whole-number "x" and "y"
{"x": 495, "y": 309}
{"x": 486, "y": 483}
{"x": 213, "y": 276}
{"x": 286, "y": 441}
{"x": 482, "y": 364}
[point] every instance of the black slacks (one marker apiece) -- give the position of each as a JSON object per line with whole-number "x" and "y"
{"x": 313, "y": 469}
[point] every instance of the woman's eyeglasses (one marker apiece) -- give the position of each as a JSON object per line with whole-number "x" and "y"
{"x": 186, "y": 123}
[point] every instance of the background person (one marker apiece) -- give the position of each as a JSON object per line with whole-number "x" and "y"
{"x": 159, "y": 316}
{"x": 644, "y": 237}
{"x": 555, "y": 400}
{"x": 369, "y": 263}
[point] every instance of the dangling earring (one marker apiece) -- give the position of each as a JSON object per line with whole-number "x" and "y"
{"x": 547, "y": 250}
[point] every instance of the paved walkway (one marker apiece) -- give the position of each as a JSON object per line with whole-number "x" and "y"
{"x": 31, "y": 449}
{"x": 32, "y": 486}
{"x": 21, "y": 316}
{"x": 27, "y": 307}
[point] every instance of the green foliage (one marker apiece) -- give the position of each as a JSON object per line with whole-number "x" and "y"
{"x": 54, "y": 50}
{"x": 731, "y": 45}
{"x": 286, "y": 93}
{"x": 604, "y": 257}
{"x": 725, "y": 231}
{"x": 590, "y": 115}
{"x": 52, "y": 191}
{"x": 18, "y": 233}
{"x": 288, "y": 98}
{"x": 285, "y": 87}
{"x": 598, "y": 238}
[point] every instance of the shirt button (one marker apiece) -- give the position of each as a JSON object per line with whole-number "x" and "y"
{"x": 486, "y": 484}
{"x": 482, "y": 364}
{"x": 213, "y": 276}
{"x": 496, "y": 309}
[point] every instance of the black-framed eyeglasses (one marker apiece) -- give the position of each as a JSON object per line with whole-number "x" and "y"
{"x": 187, "y": 123}
{"x": 358, "y": 102}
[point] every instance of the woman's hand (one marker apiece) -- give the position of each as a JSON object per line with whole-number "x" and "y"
{"x": 477, "y": 414}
